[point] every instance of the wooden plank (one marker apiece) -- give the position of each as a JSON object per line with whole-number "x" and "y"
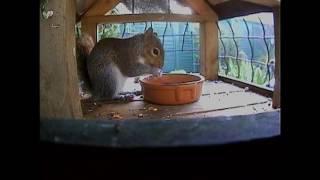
{"x": 202, "y": 8}
{"x": 146, "y": 17}
{"x": 269, "y": 3}
{"x": 244, "y": 110}
{"x": 84, "y": 5}
{"x": 230, "y": 9}
{"x": 101, "y": 7}
{"x": 276, "y": 94}
{"x": 209, "y": 103}
{"x": 89, "y": 27}
{"x": 59, "y": 95}
{"x": 215, "y": 2}
{"x": 209, "y": 64}
{"x": 216, "y": 96}
{"x": 254, "y": 88}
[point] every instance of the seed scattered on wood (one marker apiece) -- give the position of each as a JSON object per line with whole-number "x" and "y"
{"x": 152, "y": 109}
{"x": 117, "y": 116}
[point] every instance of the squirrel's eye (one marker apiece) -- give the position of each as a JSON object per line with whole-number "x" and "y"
{"x": 155, "y": 51}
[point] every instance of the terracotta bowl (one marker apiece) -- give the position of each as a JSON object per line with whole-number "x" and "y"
{"x": 172, "y": 89}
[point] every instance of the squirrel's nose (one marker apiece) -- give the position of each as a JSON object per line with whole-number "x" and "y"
{"x": 157, "y": 64}
{"x": 160, "y": 64}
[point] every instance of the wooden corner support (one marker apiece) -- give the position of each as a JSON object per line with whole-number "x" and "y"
{"x": 209, "y": 64}
{"x": 59, "y": 92}
{"x": 208, "y": 39}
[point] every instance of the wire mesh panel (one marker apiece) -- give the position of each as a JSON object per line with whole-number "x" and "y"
{"x": 246, "y": 48}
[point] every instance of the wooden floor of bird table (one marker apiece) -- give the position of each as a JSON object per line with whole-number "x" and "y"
{"x": 218, "y": 99}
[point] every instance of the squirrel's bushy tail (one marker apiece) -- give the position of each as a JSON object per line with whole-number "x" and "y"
{"x": 84, "y": 45}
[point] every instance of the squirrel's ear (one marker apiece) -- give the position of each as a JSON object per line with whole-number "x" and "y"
{"x": 149, "y": 31}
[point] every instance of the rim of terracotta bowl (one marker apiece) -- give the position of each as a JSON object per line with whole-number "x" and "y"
{"x": 146, "y": 81}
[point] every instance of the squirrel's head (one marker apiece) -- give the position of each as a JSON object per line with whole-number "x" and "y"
{"x": 153, "y": 50}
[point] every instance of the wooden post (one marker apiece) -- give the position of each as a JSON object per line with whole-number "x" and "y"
{"x": 209, "y": 64}
{"x": 59, "y": 91}
{"x": 276, "y": 92}
{"x": 208, "y": 39}
{"x": 202, "y": 32}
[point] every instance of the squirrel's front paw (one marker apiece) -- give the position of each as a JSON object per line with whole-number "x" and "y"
{"x": 136, "y": 80}
{"x": 126, "y": 97}
{"x": 156, "y": 72}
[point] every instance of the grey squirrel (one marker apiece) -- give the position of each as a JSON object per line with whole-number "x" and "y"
{"x": 104, "y": 67}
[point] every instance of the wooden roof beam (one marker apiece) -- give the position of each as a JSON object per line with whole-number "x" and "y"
{"x": 143, "y": 18}
{"x": 269, "y": 3}
{"x": 101, "y": 7}
{"x": 215, "y": 2}
{"x": 202, "y": 8}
